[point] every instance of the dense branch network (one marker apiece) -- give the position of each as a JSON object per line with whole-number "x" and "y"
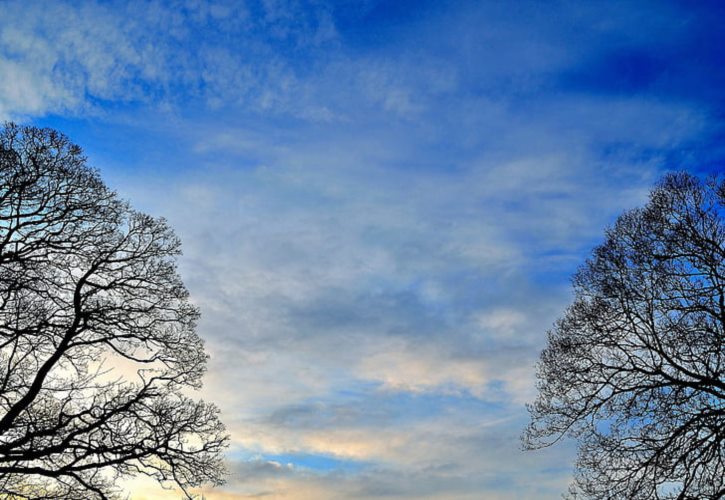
{"x": 635, "y": 369}
{"x": 97, "y": 335}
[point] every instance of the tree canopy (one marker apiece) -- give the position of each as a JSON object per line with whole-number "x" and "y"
{"x": 97, "y": 335}
{"x": 634, "y": 370}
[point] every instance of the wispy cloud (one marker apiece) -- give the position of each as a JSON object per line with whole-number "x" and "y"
{"x": 380, "y": 204}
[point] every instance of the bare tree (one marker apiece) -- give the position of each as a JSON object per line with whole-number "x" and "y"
{"x": 634, "y": 370}
{"x": 97, "y": 336}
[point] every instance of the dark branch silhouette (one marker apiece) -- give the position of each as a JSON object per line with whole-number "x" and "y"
{"x": 634, "y": 370}
{"x": 97, "y": 336}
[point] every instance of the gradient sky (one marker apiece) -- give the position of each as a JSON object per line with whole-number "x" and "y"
{"x": 381, "y": 203}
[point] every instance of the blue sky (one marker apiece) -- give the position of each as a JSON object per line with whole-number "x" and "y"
{"x": 381, "y": 203}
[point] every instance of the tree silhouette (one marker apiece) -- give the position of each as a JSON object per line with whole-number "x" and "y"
{"x": 634, "y": 370}
{"x": 97, "y": 335}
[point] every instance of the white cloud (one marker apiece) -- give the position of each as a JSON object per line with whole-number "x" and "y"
{"x": 384, "y": 264}
{"x": 323, "y": 269}
{"x": 65, "y": 57}
{"x": 404, "y": 368}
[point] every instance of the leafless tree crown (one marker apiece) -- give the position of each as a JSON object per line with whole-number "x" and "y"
{"x": 97, "y": 335}
{"x": 634, "y": 368}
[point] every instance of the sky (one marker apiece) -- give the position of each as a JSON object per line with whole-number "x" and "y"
{"x": 381, "y": 203}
